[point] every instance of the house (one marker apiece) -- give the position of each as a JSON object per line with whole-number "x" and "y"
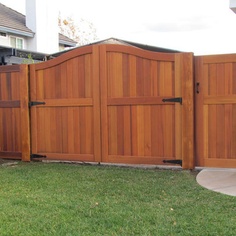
{"x": 35, "y": 33}
{"x": 232, "y": 5}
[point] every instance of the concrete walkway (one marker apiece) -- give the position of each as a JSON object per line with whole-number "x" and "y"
{"x": 218, "y": 180}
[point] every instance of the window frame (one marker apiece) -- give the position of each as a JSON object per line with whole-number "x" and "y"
{"x": 16, "y": 39}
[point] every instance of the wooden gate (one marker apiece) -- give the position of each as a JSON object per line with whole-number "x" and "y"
{"x": 137, "y": 126}
{"x": 216, "y": 110}
{"x": 104, "y": 103}
{"x": 67, "y": 126}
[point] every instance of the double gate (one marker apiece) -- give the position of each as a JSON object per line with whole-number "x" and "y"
{"x": 107, "y": 103}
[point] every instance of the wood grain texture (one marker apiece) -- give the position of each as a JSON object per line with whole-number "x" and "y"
{"x": 25, "y": 122}
{"x": 65, "y": 125}
{"x": 215, "y": 118}
{"x": 14, "y": 113}
{"x": 104, "y": 103}
{"x": 185, "y": 63}
{"x": 137, "y": 127}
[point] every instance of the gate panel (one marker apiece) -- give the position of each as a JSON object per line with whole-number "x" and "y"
{"x": 137, "y": 127}
{"x": 67, "y": 126}
{"x": 216, "y": 111}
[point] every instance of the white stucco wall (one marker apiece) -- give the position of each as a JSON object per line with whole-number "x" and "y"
{"x": 4, "y": 41}
{"x": 42, "y": 18}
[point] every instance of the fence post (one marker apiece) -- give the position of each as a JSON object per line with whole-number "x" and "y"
{"x": 25, "y": 123}
{"x": 187, "y": 110}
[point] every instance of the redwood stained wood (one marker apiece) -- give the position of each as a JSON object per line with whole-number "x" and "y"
{"x": 215, "y": 119}
{"x": 138, "y": 100}
{"x": 14, "y": 113}
{"x": 10, "y": 155}
{"x": 65, "y": 125}
{"x": 184, "y": 63}
{"x": 10, "y": 104}
{"x": 104, "y": 103}
{"x": 133, "y": 84}
{"x": 25, "y": 123}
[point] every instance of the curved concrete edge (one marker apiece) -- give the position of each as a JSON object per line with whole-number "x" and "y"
{"x": 218, "y": 180}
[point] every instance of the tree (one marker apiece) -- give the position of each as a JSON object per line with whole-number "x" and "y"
{"x": 81, "y": 31}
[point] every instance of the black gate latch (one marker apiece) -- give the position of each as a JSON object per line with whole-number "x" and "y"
{"x": 179, "y": 99}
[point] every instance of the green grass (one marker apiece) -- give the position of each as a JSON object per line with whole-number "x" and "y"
{"x": 65, "y": 199}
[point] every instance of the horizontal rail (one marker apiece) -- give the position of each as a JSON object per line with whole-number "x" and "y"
{"x": 214, "y": 100}
{"x": 10, "y": 104}
{"x": 66, "y": 102}
{"x": 137, "y": 101}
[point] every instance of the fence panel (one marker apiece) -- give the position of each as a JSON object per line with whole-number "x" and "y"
{"x": 14, "y": 112}
{"x": 216, "y": 111}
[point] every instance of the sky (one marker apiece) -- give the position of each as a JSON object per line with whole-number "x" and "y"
{"x": 198, "y": 26}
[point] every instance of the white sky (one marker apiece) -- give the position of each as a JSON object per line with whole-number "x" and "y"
{"x": 199, "y": 26}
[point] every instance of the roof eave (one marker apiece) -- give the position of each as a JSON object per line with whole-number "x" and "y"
{"x": 70, "y": 44}
{"x": 16, "y": 31}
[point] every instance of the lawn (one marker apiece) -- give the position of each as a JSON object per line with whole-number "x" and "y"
{"x": 68, "y": 199}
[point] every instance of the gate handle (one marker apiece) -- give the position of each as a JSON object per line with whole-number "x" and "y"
{"x": 197, "y": 87}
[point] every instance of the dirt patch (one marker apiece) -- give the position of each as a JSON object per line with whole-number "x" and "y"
{"x": 7, "y": 162}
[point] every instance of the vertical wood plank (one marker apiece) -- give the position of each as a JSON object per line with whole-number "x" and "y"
{"x": 139, "y": 77}
{"x": 125, "y": 75}
{"x": 134, "y": 128}
{"x": 147, "y": 131}
{"x": 89, "y": 68}
{"x": 187, "y": 109}
{"x": 154, "y": 84}
{"x": 133, "y": 79}
{"x": 156, "y": 131}
{"x": 77, "y": 131}
{"x": 71, "y": 135}
{"x": 228, "y": 124}
{"x": 220, "y": 131}
{"x": 120, "y": 130}
{"x": 127, "y": 131}
{"x": 83, "y": 129}
{"x": 140, "y": 130}
{"x": 200, "y": 84}
{"x": 25, "y": 123}
{"x": 177, "y": 88}
{"x": 97, "y": 88}
{"x": 112, "y": 129}
{"x": 104, "y": 95}
{"x": 205, "y": 135}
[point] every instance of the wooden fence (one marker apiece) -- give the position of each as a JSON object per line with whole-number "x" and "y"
{"x": 215, "y": 101}
{"x": 14, "y": 112}
{"x": 103, "y": 103}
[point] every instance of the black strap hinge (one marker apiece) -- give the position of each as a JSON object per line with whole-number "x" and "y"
{"x": 32, "y": 156}
{"x": 35, "y": 103}
{"x": 179, "y": 99}
{"x": 178, "y": 162}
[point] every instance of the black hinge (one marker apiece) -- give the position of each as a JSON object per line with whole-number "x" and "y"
{"x": 32, "y": 156}
{"x": 179, "y": 162}
{"x": 34, "y": 103}
{"x": 179, "y": 99}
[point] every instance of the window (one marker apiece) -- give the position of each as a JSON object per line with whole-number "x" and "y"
{"x": 2, "y": 34}
{"x": 16, "y": 42}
